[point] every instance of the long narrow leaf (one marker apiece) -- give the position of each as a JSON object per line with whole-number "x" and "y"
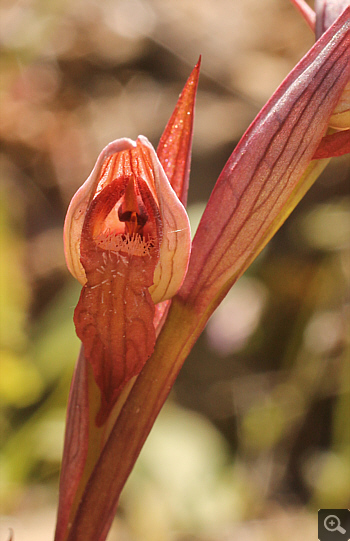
{"x": 256, "y": 187}
{"x": 174, "y": 149}
{"x": 75, "y": 445}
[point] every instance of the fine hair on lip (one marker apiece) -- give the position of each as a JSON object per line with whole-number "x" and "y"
{"x": 130, "y": 244}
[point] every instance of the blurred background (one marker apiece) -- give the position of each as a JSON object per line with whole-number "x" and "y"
{"x": 255, "y": 436}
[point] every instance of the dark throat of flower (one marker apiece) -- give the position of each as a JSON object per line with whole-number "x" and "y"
{"x": 132, "y": 211}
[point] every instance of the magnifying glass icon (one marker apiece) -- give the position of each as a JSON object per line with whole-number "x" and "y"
{"x": 332, "y": 524}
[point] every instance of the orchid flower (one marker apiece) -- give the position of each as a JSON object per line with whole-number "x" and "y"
{"x": 143, "y": 305}
{"x": 127, "y": 239}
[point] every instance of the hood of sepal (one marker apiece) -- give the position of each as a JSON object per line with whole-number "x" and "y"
{"x": 176, "y": 239}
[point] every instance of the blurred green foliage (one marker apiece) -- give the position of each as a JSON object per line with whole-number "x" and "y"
{"x": 257, "y": 426}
